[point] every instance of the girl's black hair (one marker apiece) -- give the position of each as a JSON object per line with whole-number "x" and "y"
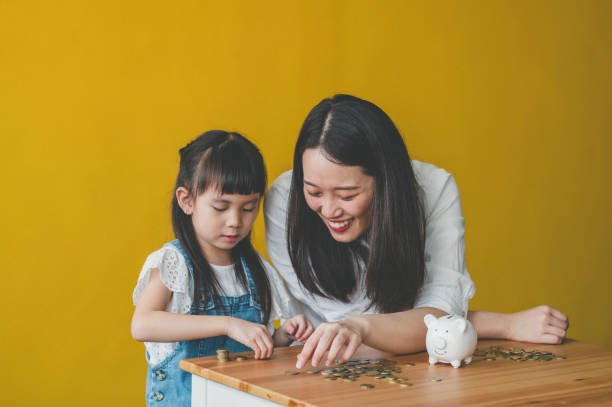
{"x": 233, "y": 165}
{"x": 354, "y": 132}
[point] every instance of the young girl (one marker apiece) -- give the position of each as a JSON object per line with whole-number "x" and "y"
{"x": 209, "y": 288}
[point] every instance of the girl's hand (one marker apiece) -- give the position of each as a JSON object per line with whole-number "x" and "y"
{"x": 339, "y": 339}
{"x": 298, "y": 328}
{"x": 541, "y": 324}
{"x": 255, "y": 336}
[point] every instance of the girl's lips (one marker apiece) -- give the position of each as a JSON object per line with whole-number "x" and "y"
{"x": 340, "y": 226}
{"x": 230, "y": 239}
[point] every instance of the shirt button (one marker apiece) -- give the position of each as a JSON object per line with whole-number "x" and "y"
{"x": 158, "y": 396}
{"x": 161, "y": 375}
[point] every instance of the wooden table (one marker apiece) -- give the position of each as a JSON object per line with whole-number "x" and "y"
{"x": 583, "y": 378}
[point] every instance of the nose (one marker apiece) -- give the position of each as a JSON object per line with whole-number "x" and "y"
{"x": 329, "y": 209}
{"x": 234, "y": 219}
{"x": 439, "y": 343}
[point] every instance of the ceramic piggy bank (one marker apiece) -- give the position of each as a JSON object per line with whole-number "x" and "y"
{"x": 450, "y": 339}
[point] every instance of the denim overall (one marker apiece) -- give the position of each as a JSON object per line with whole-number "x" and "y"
{"x": 167, "y": 384}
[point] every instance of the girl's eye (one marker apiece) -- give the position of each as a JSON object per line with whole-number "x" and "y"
{"x": 348, "y": 198}
{"x": 219, "y": 209}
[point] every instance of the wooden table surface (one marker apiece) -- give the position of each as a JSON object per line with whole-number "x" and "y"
{"x": 583, "y": 378}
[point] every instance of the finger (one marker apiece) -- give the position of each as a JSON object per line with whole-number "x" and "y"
{"x": 559, "y": 323}
{"x": 290, "y": 328}
{"x": 553, "y": 330}
{"x": 300, "y": 329}
{"x": 351, "y": 348}
{"x": 548, "y": 338}
{"x": 269, "y": 344}
{"x": 253, "y": 345}
{"x": 335, "y": 348}
{"x": 309, "y": 347}
{"x": 322, "y": 347}
{"x": 307, "y": 333}
{"x": 262, "y": 347}
{"x": 558, "y": 314}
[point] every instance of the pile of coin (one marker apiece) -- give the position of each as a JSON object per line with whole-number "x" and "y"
{"x": 515, "y": 354}
{"x": 223, "y": 355}
{"x": 379, "y": 369}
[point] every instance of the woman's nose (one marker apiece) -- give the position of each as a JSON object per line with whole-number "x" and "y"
{"x": 329, "y": 209}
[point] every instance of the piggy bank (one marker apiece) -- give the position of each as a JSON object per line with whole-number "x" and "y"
{"x": 450, "y": 339}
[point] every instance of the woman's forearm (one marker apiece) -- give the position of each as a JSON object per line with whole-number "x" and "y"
{"x": 400, "y": 332}
{"x": 490, "y": 324}
{"x": 163, "y": 326}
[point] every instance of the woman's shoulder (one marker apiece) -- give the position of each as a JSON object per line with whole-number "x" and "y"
{"x": 438, "y": 186}
{"x": 282, "y": 183}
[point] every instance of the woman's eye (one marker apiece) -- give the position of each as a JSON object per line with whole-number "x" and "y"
{"x": 248, "y": 209}
{"x": 348, "y": 198}
{"x": 314, "y": 194}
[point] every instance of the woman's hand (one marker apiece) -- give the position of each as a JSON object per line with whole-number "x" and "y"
{"x": 541, "y": 324}
{"x": 297, "y": 328}
{"x": 255, "y": 336}
{"x": 339, "y": 339}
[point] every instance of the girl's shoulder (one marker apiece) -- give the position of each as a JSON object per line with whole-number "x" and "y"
{"x": 173, "y": 271}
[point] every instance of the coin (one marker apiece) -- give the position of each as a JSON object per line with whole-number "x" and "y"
{"x": 409, "y": 364}
{"x": 331, "y": 378}
{"x": 312, "y": 371}
{"x": 405, "y": 384}
{"x": 241, "y": 358}
{"x": 367, "y": 386}
{"x": 291, "y": 372}
{"x": 435, "y": 379}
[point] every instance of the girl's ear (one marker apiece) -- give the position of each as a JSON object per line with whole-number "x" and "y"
{"x": 185, "y": 200}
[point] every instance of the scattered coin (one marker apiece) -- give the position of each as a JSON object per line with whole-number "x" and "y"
{"x": 312, "y": 371}
{"x": 435, "y": 379}
{"x": 405, "y": 384}
{"x": 515, "y": 354}
{"x": 367, "y": 386}
{"x": 291, "y": 372}
{"x": 241, "y": 358}
{"x": 409, "y": 364}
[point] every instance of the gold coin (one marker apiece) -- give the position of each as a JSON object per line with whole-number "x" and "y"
{"x": 312, "y": 371}
{"x": 331, "y": 378}
{"x": 367, "y": 386}
{"x": 409, "y": 364}
{"x": 435, "y": 379}
{"x": 241, "y": 358}
{"x": 291, "y": 372}
{"x": 405, "y": 384}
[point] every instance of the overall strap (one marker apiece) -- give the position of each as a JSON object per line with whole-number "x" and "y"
{"x": 251, "y": 282}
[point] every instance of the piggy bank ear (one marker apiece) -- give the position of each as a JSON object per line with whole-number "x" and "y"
{"x": 429, "y": 320}
{"x": 460, "y": 324}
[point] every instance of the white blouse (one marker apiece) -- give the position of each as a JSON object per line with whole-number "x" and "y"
{"x": 174, "y": 274}
{"x": 447, "y": 285}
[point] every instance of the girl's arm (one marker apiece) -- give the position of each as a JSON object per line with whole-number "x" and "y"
{"x": 152, "y": 323}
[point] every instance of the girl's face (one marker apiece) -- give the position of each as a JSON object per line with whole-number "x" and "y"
{"x": 220, "y": 221}
{"x": 340, "y": 194}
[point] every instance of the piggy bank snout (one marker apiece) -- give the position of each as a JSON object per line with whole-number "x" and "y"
{"x": 439, "y": 343}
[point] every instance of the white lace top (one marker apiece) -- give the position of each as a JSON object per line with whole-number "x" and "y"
{"x": 174, "y": 274}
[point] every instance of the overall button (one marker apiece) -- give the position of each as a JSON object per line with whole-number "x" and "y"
{"x": 256, "y": 298}
{"x": 203, "y": 298}
{"x": 161, "y": 375}
{"x": 158, "y": 396}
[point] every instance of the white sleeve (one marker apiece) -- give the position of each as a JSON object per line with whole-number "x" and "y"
{"x": 447, "y": 285}
{"x": 173, "y": 273}
{"x": 275, "y": 216}
{"x": 284, "y": 305}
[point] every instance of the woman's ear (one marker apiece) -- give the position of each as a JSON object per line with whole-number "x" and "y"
{"x": 185, "y": 200}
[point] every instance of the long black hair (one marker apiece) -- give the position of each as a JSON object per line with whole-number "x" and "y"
{"x": 354, "y": 132}
{"x": 233, "y": 165}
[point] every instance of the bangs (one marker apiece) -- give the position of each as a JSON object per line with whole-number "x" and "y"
{"x": 231, "y": 169}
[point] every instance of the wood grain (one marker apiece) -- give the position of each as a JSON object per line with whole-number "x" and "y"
{"x": 584, "y": 378}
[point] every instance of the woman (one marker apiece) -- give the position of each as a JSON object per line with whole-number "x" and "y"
{"x": 370, "y": 241}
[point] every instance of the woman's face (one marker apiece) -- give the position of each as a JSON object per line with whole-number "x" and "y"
{"x": 340, "y": 194}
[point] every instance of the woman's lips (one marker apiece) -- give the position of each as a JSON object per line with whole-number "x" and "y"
{"x": 340, "y": 226}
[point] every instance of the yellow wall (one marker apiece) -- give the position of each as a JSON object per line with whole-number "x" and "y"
{"x": 512, "y": 97}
